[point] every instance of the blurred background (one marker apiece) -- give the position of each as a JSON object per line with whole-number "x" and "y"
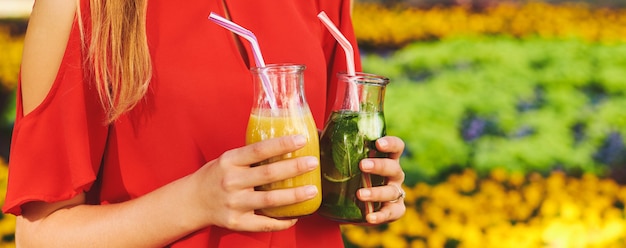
{"x": 513, "y": 114}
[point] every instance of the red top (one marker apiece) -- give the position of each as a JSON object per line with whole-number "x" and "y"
{"x": 197, "y": 107}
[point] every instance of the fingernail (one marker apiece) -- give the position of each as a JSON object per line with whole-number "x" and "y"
{"x": 310, "y": 190}
{"x": 382, "y": 142}
{"x": 367, "y": 164}
{"x": 365, "y": 192}
{"x": 372, "y": 218}
{"x": 299, "y": 140}
{"x": 312, "y": 163}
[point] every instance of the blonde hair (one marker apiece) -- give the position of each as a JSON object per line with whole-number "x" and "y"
{"x": 118, "y": 57}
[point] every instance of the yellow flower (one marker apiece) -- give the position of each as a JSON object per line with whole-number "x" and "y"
{"x": 7, "y": 225}
{"x": 436, "y": 240}
{"x": 517, "y": 178}
{"x": 570, "y": 211}
{"x": 7, "y": 245}
{"x": 11, "y": 48}
{"x": 418, "y": 243}
{"x": 419, "y": 190}
{"x": 361, "y": 236}
{"x": 434, "y": 213}
{"x": 465, "y": 182}
{"x": 390, "y": 239}
{"x": 411, "y": 224}
{"x": 471, "y": 237}
{"x": 521, "y": 212}
{"x": 608, "y": 187}
{"x": 533, "y": 194}
{"x": 564, "y": 234}
{"x": 613, "y": 231}
{"x": 499, "y": 175}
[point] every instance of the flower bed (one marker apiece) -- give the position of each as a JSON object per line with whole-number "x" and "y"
{"x": 377, "y": 26}
{"x": 505, "y": 210}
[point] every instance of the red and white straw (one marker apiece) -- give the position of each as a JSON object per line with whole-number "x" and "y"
{"x": 354, "y": 103}
{"x": 256, "y": 51}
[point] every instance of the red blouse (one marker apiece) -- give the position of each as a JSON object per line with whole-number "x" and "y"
{"x": 197, "y": 107}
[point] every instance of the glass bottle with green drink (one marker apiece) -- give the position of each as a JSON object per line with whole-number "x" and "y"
{"x": 356, "y": 122}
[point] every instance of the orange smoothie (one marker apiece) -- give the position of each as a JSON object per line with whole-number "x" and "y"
{"x": 264, "y": 126}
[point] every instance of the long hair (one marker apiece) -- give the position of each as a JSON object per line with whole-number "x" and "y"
{"x": 117, "y": 53}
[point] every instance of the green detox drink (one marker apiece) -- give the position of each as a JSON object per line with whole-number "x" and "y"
{"x": 349, "y": 136}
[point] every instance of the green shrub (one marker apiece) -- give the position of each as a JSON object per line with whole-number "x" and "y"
{"x": 526, "y": 105}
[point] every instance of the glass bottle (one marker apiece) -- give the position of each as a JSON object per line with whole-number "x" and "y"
{"x": 288, "y": 115}
{"x": 356, "y": 122}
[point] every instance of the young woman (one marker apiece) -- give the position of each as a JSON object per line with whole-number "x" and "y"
{"x": 132, "y": 117}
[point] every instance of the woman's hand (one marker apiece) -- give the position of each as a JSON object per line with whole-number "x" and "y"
{"x": 391, "y": 194}
{"x": 225, "y": 186}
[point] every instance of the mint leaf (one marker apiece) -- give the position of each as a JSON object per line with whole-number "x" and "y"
{"x": 349, "y": 211}
{"x": 347, "y": 145}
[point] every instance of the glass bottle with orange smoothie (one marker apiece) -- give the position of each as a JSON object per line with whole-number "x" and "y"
{"x": 289, "y": 114}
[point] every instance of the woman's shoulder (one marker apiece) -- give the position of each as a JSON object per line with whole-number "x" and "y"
{"x": 48, "y": 32}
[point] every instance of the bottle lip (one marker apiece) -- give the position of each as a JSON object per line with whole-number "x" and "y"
{"x": 280, "y": 67}
{"x": 364, "y": 78}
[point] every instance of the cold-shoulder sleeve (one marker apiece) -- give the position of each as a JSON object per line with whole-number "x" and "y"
{"x": 56, "y": 150}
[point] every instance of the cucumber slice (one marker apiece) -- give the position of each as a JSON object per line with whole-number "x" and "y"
{"x": 371, "y": 125}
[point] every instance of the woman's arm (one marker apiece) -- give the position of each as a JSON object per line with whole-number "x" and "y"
{"x": 220, "y": 193}
{"x": 150, "y": 221}
{"x": 48, "y": 31}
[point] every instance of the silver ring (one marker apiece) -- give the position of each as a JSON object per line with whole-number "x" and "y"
{"x": 401, "y": 194}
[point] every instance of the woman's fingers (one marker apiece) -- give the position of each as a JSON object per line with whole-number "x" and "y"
{"x": 262, "y": 150}
{"x": 392, "y": 194}
{"x": 385, "y": 167}
{"x": 389, "y": 212}
{"x": 249, "y": 177}
{"x": 392, "y": 145}
{"x": 276, "y": 198}
{"x": 268, "y": 173}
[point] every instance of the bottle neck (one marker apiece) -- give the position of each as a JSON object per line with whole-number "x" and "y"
{"x": 279, "y": 86}
{"x": 360, "y": 93}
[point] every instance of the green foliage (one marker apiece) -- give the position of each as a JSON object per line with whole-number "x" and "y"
{"x": 347, "y": 145}
{"x": 8, "y": 111}
{"x": 11, "y": 45}
{"x": 525, "y": 105}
